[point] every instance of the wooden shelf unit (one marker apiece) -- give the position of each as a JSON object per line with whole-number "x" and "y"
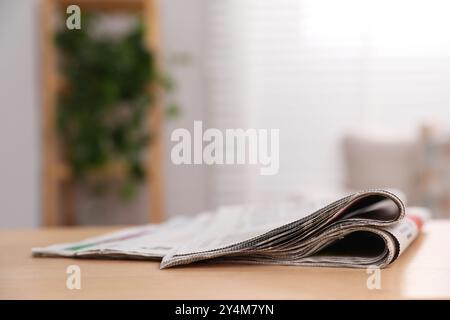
{"x": 56, "y": 176}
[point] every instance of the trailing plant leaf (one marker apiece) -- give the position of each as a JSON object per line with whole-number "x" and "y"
{"x": 102, "y": 112}
{"x": 173, "y": 110}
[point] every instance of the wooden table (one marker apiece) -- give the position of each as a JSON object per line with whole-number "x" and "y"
{"x": 422, "y": 272}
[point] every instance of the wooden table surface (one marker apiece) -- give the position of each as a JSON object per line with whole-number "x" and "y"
{"x": 423, "y": 271}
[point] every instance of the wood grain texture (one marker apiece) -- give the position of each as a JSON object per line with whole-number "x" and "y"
{"x": 105, "y": 5}
{"x": 154, "y": 166}
{"x": 49, "y": 79}
{"x": 422, "y": 272}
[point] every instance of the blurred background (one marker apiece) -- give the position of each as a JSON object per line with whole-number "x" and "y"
{"x": 359, "y": 89}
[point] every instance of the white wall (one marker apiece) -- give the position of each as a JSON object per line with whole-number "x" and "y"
{"x": 183, "y": 24}
{"x": 19, "y": 116}
{"x": 182, "y": 27}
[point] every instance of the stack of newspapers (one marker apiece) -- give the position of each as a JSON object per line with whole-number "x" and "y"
{"x": 366, "y": 228}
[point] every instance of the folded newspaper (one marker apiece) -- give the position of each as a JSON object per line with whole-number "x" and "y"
{"x": 367, "y": 228}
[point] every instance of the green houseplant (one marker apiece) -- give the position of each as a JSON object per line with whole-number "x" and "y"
{"x": 102, "y": 109}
